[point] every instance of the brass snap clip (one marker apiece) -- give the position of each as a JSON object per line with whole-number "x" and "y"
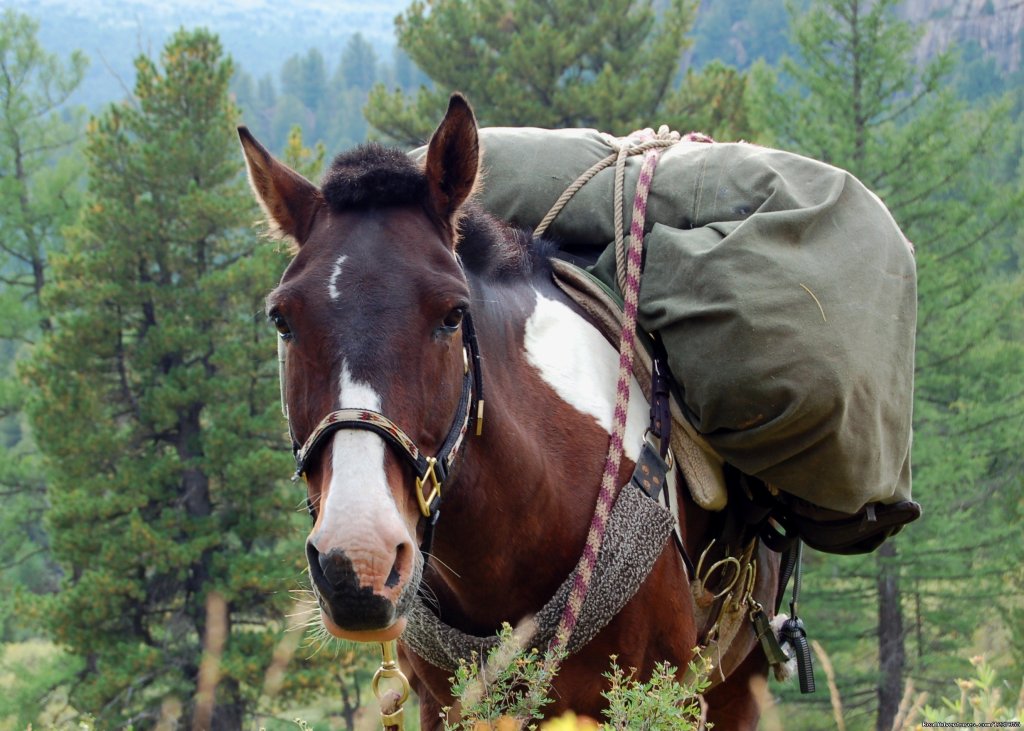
{"x": 391, "y": 712}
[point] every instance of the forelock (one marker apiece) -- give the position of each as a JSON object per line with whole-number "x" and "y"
{"x": 373, "y": 176}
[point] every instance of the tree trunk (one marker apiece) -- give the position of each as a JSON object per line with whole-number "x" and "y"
{"x": 229, "y": 713}
{"x": 891, "y": 652}
{"x": 195, "y": 496}
{"x": 350, "y": 701}
{"x": 228, "y": 710}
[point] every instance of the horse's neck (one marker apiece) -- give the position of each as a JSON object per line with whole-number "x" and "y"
{"x": 516, "y": 516}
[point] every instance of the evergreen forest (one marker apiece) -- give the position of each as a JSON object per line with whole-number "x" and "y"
{"x": 152, "y": 570}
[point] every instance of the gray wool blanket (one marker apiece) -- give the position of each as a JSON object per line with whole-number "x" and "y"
{"x": 636, "y": 534}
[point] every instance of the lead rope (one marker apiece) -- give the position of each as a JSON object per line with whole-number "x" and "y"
{"x": 651, "y": 146}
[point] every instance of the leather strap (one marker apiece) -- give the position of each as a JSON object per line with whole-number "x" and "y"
{"x": 434, "y": 470}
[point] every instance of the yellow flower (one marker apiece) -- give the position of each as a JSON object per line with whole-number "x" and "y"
{"x": 569, "y": 721}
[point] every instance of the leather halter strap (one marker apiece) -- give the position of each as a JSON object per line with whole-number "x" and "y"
{"x": 431, "y": 472}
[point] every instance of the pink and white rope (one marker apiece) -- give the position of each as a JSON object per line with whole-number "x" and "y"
{"x": 628, "y": 266}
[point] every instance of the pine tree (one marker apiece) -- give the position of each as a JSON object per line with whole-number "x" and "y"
{"x": 39, "y": 194}
{"x": 305, "y": 78}
{"x": 358, "y": 67}
{"x": 564, "y": 63}
{"x": 712, "y": 101}
{"x": 856, "y": 100}
{"x": 155, "y": 405}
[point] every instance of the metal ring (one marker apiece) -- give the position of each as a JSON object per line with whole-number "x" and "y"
{"x": 389, "y": 669}
{"x": 731, "y": 560}
{"x": 383, "y": 674}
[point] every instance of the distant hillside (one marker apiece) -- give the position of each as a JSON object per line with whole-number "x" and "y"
{"x": 259, "y": 34}
{"x": 741, "y": 31}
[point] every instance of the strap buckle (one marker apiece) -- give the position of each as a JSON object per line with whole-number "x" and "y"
{"x": 655, "y": 442}
{"x": 429, "y": 475}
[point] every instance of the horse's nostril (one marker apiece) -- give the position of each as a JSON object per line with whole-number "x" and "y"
{"x": 337, "y": 568}
{"x": 312, "y": 555}
{"x": 396, "y": 574}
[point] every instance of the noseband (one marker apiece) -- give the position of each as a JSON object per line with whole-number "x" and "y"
{"x": 430, "y": 472}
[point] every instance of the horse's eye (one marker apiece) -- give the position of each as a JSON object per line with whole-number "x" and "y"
{"x": 281, "y": 324}
{"x": 453, "y": 319}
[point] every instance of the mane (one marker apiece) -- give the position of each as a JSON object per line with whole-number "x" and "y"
{"x": 497, "y": 251}
{"x": 374, "y": 176}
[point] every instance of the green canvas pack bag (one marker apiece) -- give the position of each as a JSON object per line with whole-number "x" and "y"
{"x": 785, "y": 296}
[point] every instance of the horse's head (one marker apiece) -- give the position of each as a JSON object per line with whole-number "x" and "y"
{"x": 370, "y": 313}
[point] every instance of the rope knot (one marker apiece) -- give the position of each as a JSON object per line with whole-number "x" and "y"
{"x": 637, "y": 142}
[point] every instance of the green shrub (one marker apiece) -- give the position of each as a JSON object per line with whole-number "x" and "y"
{"x": 981, "y": 699}
{"x": 510, "y": 690}
{"x": 660, "y": 704}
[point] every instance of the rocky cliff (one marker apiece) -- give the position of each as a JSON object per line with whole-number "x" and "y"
{"x": 997, "y": 26}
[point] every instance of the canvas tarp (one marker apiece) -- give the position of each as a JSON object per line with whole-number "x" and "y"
{"x": 783, "y": 289}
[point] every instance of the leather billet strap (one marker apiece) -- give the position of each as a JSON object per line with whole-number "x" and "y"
{"x": 431, "y": 472}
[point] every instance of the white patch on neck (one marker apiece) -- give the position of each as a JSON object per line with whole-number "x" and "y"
{"x": 582, "y": 367}
{"x": 332, "y": 281}
{"x": 359, "y": 488}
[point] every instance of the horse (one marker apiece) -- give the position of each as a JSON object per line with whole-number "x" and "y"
{"x": 401, "y": 295}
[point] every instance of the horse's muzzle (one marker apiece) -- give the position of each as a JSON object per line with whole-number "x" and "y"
{"x": 354, "y": 611}
{"x": 349, "y": 605}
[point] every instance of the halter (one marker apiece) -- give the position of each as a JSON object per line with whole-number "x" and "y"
{"x": 431, "y": 472}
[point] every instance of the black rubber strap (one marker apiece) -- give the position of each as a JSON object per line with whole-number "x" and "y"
{"x": 789, "y": 560}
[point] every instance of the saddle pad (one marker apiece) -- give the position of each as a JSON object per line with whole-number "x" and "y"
{"x": 699, "y": 463}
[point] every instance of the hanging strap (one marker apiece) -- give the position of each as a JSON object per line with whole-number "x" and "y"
{"x": 795, "y": 634}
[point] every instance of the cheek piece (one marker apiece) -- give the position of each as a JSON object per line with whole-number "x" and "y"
{"x": 430, "y": 472}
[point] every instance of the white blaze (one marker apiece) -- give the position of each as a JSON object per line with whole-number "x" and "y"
{"x": 332, "y": 281}
{"x": 358, "y": 496}
{"x": 582, "y": 367}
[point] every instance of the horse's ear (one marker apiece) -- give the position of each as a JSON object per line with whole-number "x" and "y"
{"x": 289, "y": 200}
{"x": 453, "y": 160}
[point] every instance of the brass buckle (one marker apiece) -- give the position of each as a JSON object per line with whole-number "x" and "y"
{"x": 435, "y": 487}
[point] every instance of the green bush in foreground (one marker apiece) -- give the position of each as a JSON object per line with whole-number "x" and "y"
{"x": 660, "y": 703}
{"x": 510, "y": 689}
{"x": 981, "y": 700}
